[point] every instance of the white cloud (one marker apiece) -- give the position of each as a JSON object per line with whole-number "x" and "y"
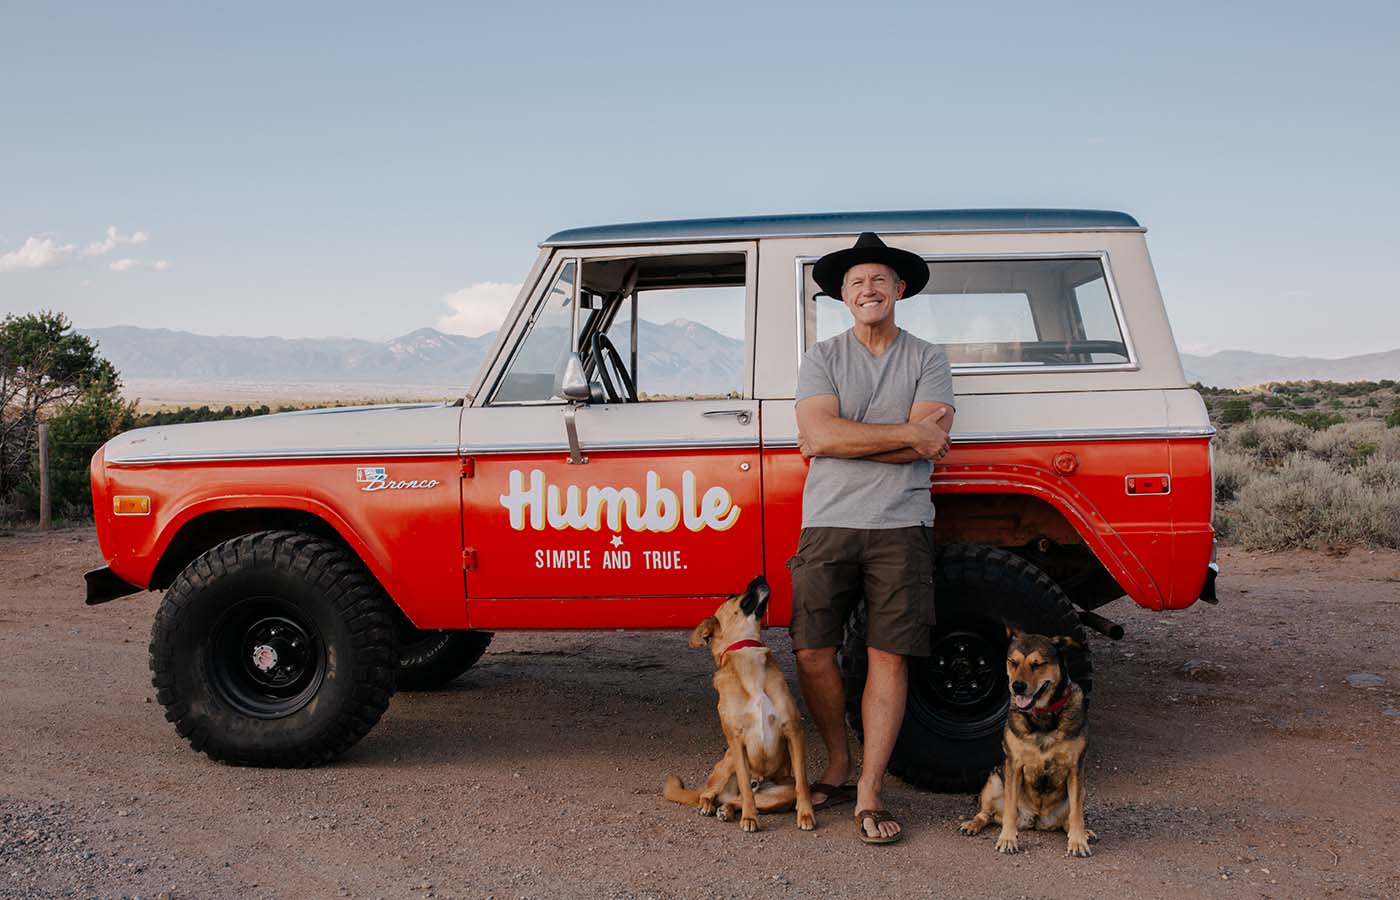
{"x": 114, "y": 237}
{"x": 478, "y": 309}
{"x": 161, "y": 265}
{"x": 37, "y": 253}
{"x": 122, "y": 265}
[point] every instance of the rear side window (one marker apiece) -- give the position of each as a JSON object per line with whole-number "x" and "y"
{"x": 999, "y": 313}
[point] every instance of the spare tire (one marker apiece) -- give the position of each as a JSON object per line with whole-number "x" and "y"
{"x": 956, "y": 708}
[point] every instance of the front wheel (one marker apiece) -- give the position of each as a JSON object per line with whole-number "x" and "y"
{"x": 274, "y": 649}
{"x": 956, "y": 707}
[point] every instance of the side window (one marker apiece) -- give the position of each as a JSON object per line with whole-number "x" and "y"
{"x": 687, "y": 316}
{"x": 530, "y": 377}
{"x": 999, "y": 313}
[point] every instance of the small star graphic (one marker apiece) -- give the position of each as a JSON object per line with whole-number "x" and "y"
{"x": 617, "y": 540}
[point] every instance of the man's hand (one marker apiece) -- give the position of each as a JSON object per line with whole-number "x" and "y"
{"x": 930, "y": 440}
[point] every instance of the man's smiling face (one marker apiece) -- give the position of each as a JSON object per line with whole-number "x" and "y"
{"x": 869, "y": 291}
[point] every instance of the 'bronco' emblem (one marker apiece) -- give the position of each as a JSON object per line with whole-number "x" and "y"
{"x": 376, "y": 478}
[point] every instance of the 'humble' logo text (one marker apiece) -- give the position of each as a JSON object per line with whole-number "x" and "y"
{"x": 660, "y": 510}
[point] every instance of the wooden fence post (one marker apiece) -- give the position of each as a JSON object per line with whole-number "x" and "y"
{"x": 44, "y": 517}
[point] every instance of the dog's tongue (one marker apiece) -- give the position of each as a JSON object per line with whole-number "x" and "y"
{"x": 1022, "y": 702}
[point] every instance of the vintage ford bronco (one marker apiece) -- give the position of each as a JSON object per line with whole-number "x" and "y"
{"x": 628, "y": 455}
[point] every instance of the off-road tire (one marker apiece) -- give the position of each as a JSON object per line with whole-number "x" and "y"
{"x": 233, "y": 609}
{"x": 951, "y": 737}
{"x": 430, "y": 659}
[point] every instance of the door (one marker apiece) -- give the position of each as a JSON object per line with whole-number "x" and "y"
{"x": 657, "y": 513}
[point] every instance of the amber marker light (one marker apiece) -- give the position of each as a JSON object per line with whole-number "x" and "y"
{"x": 131, "y": 506}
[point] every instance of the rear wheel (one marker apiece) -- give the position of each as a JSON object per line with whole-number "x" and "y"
{"x": 430, "y": 659}
{"x": 956, "y": 708}
{"x": 274, "y": 649}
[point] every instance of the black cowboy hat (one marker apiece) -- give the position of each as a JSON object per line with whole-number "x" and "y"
{"x": 830, "y": 270}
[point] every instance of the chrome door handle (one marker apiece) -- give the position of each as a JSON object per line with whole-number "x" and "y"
{"x": 743, "y": 415}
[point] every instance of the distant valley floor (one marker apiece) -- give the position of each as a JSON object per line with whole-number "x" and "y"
{"x": 161, "y": 393}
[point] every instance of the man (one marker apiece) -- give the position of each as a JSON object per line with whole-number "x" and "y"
{"x": 874, "y": 408}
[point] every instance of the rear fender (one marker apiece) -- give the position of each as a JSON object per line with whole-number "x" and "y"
{"x": 1111, "y": 547}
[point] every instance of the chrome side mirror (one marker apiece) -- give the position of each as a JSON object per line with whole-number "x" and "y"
{"x": 572, "y": 383}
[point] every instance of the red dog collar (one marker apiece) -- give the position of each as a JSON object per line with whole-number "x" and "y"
{"x": 740, "y": 645}
{"x": 1057, "y": 705}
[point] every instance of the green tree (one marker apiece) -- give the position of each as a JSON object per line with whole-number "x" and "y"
{"x": 45, "y": 368}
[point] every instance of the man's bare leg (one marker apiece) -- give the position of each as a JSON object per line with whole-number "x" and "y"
{"x": 882, "y": 713}
{"x": 820, "y": 681}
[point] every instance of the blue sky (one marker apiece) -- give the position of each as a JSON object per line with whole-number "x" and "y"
{"x": 318, "y": 170}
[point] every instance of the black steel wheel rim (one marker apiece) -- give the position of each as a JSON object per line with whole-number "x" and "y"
{"x": 266, "y": 659}
{"x": 962, "y": 683}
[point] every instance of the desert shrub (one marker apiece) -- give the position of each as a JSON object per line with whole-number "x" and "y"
{"x": 1380, "y": 474}
{"x": 1393, "y": 420}
{"x": 1235, "y": 411}
{"x": 1270, "y": 440}
{"x": 1335, "y": 403}
{"x": 1306, "y": 502}
{"x": 1232, "y": 471}
{"x": 1347, "y": 445}
{"x": 1313, "y": 419}
{"x": 1273, "y": 401}
{"x": 1304, "y": 401}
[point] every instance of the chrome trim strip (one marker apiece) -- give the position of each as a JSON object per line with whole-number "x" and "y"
{"x": 1165, "y": 433}
{"x": 192, "y": 456}
{"x": 497, "y": 449}
{"x": 1132, "y": 365}
{"x": 845, "y": 232}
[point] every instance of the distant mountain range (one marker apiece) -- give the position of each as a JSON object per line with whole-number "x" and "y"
{"x": 679, "y": 357}
{"x": 1238, "y": 368}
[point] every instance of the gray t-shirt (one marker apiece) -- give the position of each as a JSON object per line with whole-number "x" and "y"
{"x": 861, "y": 493}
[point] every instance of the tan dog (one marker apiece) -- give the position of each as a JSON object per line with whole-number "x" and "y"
{"x": 1041, "y": 782}
{"x": 765, "y": 769}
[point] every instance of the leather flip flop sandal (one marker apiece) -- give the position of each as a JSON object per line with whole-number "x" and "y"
{"x": 836, "y": 794}
{"x": 878, "y": 815}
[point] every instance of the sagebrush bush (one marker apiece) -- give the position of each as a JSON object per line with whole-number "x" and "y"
{"x": 1379, "y": 474}
{"x": 1232, "y": 472}
{"x": 1306, "y": 502}
{"x": 1347, "y": 445}
{"x": 1270, "y": 440}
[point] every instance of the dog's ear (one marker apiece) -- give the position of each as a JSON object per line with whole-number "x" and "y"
{"x": 701, "y": 635}
{"x": 1065, "y": 642}
{"x": 1013, "y": 633}
{"x": 759, "y": 589}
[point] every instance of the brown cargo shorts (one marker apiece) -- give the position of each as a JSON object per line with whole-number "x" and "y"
{"x": 890, "y": 568}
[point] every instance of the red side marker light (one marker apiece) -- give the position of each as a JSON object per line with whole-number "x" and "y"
{"x": 1147, "y": 484}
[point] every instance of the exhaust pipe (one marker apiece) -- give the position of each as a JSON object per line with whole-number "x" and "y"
{"x": 1111, "y": 630}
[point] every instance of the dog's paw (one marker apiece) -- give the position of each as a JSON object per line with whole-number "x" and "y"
{"x": 749, "y": 824}
{"x": 1093, "y": 837}
{"x": 972, "y": 827}
{"x": 1079, "y": 846}
{"x": 806, "y": 821}
{"x": 707, "y": 806}
{"x": 1008, "y": 842}
{"x": 724, "y": 812}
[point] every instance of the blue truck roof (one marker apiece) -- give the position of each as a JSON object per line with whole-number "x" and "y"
{"x": 811, "y": 224}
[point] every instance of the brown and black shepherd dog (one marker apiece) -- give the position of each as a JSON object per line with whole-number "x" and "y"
{"x": 765, "y": 768}
{"x": 1041, "y": 781}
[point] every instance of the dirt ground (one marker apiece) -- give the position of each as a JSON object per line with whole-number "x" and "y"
{"x": 1229, "y": 757}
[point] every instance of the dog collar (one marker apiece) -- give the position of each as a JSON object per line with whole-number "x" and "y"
{"x": 740, "y": 645}
{"x": 1057, "y": 705}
